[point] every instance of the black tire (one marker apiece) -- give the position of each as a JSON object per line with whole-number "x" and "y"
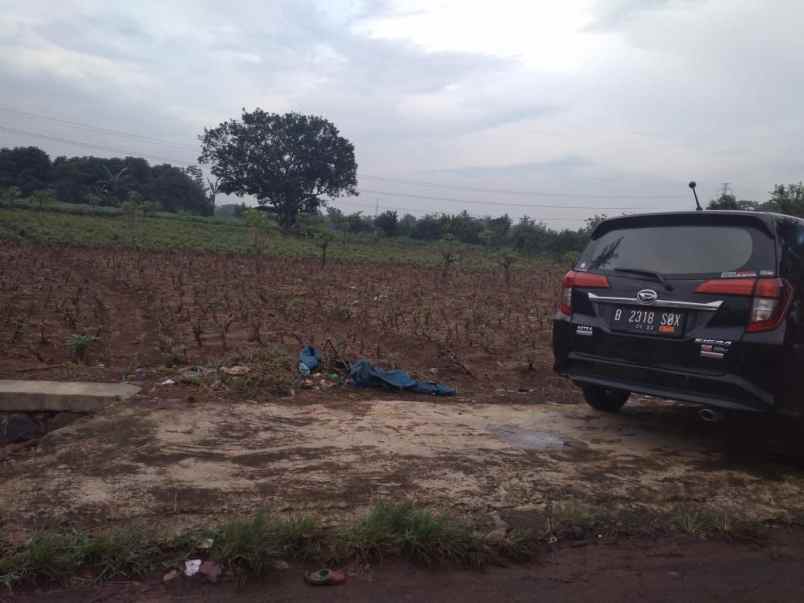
{"x": 605, "y": 399}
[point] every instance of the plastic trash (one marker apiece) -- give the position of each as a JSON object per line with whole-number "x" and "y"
{"x": 309, "y": 359}
{"x": 325, "y": 577}
{"x": 191, "y": 567}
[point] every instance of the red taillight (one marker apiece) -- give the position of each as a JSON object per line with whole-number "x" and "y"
{"x": 771, "y": 296}
{"x": 578, "y": 279}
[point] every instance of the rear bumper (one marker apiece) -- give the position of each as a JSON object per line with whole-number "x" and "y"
{"x": 729, "y": 392}
{"x": 724, "y": 390}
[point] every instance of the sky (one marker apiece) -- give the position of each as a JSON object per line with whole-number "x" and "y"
{"x": 556, "y": 110}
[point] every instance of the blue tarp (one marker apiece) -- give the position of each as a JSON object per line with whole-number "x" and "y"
{"x": 364, "y": 374}
{"x": 309, "y": 359}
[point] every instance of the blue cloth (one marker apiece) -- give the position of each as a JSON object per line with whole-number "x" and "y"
{"x": 364, "y": 374}
{"x": 309, "y": 359}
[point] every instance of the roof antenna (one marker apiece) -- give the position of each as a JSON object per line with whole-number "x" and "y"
{"x": 697, "y": 204}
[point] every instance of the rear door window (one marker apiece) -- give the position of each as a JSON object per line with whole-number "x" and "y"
{"x": 681, "y": 250}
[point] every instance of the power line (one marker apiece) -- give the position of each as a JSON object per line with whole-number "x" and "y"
{"x": 80, "y": 143}
{"x": 155, "y": 140}
{"x": 498, "y": 191}
{"x": 89, "y": 145}
{"x": 78, "y": 124}
{"x": 504, "y": 204}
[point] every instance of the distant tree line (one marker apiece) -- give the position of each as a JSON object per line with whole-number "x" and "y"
{"x": 784, "y": 199}
{"x": 105, "y": 181}
{"x": 526, "y": 235}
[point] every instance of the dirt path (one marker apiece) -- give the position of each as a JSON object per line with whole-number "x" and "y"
{"x": 170, "y": 461}
{"x": 670, "y": 572}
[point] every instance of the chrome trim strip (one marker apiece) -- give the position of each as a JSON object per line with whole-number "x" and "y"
{"x": 662, "y": 303}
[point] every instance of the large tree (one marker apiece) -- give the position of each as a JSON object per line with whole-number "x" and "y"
{"x": 288, "y": 162}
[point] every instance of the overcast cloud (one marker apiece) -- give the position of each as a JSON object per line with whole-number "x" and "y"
{"x": 613, "y": 103}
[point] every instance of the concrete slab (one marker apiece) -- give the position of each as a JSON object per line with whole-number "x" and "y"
{"x": 61, "y": 396}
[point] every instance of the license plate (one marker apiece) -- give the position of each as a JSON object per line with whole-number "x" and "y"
{"x": 648, "y": 321}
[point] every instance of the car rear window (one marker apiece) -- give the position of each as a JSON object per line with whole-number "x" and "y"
{"x": 681, "y": 250}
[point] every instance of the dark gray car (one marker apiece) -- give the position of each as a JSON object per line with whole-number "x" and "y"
{"x": 696, "y": 306}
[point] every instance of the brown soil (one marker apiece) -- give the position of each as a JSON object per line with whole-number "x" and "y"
{"x": 179, "y": 464}
{"x": 152, "y": 310}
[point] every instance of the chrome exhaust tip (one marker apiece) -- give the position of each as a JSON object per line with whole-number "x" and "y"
{"x": 710, "y": 415}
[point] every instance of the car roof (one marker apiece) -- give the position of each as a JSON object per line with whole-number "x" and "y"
{"x": 765, "y": 218}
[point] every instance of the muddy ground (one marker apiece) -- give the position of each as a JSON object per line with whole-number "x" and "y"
{"x": 680, "y": 570}
{"x": 170, "y": 462}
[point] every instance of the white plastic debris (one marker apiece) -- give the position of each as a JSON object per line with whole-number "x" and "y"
{"x": 191, "y": 567}
{"x": 168, "y": 382}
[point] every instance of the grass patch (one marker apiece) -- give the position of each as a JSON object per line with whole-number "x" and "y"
{"x": 419, "y": 535}
{"x": 221, "y": 235}
{"x": 250, "y": 547}
{"x": 65, "y": 556}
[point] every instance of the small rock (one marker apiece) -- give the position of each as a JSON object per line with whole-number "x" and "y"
{"x": 235, "y": 371}
{"x": 170, "y": 576}
{"x": 497, "y": 535}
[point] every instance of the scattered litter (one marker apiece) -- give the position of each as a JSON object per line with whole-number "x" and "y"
{"x": 168, "y": 382}
{"x": 325, "y": 577}
{"x": 363, "y": 374}
{"x": 193, "y": 374}
{"x": 280, "y": 565}
{"x": 170, "y": 576}
{"x": 235, "y": 371}
{"x": 191, "y": 567}
{"x": 210, "y": 570}
{"x": 206, "y": 544}
{"x": 309, "y": 359}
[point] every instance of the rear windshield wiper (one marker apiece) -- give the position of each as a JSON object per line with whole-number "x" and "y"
{"x": 649, "y": 273}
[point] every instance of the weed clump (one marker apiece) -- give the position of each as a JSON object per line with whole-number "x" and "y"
{"x": 250, "y": 547}
{"x": 60, "y": 557}
{"x": 419, "y": 535}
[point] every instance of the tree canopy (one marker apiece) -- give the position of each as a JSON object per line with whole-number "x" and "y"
{"x": 104, "y": 181}
{"x": 784, "y": 199}
{"x": 289, "y": 162}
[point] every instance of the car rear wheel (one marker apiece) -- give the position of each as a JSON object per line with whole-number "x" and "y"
{"x": 605, "y": 399}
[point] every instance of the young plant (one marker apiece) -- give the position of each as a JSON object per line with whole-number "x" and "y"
{"x": 79, "y": 344}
